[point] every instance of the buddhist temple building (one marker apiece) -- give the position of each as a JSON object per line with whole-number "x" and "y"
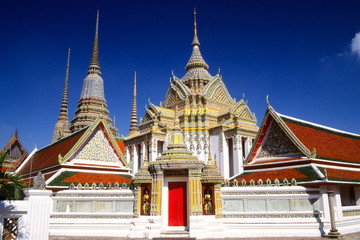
{"x": 208, "y": 115}
{"x": 89, "y": 157}
{"x": 15, "y": 153}
{"x": 288, "y": 151}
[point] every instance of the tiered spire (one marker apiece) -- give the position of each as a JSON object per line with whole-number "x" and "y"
{"x": 92, "y": 102}
{"x": 197, "y": 75}
{"x": 62, "y": 127}
{"x": 133, "y": 125}
{"x": 196, "y": 60}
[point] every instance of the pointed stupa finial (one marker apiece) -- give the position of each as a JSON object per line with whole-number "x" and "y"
{"x": 133, "y": 124}
{"x": 62, "y": 127}
{"x": 196, "y": 40}
{"x": 196, "y": 60}
{"x": 94, "y": 66}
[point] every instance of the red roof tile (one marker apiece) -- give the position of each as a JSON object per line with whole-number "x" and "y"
{"x": 338, "y": 174}
{"x": 272, "y": 174}
{"x": 121, "y": 146}
{"x": 329, "y": 145}
{"x": 84, "y": 177}
{"x": 48, "y": 156}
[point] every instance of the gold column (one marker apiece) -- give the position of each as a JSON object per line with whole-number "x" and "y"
{"x": 218, "y": 205}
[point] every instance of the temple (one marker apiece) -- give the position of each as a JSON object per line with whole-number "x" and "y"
{"x": 208, "y": 116}
{"x": 195, "y": 166}
{"x": 15, "y": 153}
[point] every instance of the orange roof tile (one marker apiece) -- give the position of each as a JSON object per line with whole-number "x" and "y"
{"x": 121, "y": 146}
{"x": 339, "y": 174}
{"x": 272, "y": 175}
{"x": 84, "y": 177}
{"x": 48, "y": 156}
{"x": 328, "y": 144}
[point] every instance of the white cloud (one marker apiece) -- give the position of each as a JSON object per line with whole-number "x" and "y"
{"x": 355, "y": 45}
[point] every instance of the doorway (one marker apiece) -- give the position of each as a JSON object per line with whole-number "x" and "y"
{"x": 177, "y": 204}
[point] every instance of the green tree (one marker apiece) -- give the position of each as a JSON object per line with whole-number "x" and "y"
{"x": 11, "y": 184}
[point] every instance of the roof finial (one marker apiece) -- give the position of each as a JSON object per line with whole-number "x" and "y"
{"x": 195, "y": 41}
{"x": 94, "y": 62}
{"x": 133, "y": 124}
{"x": 267, "y": 100}
{"x": 195, "y": 33}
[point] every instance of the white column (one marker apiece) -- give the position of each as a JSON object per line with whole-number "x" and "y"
{"x": 153, "y": 150}
{"x": 337, "y": 204}
{"x": 224, "y": 157}
{"x": 38, "y": 217}
{"x": 247, "y": 146}
{"x": 237, "y": 155}
{"x": 134, "y": 165}
{"x": 143, "y": 152}
{"x": 127, "y": 154}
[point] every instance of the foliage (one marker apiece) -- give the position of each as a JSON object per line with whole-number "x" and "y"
{"x": 11, "y": 184}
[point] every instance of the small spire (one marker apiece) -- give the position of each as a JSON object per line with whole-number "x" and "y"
{"x": 195, "y": 33}
{"x": 196, "y": 40}
{"x": 62, "y": 127}
{"x": 133, "y": 124}
{"x": 196, "y": 60}
{"x": 94, "y": 66}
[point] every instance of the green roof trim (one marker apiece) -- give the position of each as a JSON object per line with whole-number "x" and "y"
{"x": 58, "y": 180}
{"x": 309, "y": 172}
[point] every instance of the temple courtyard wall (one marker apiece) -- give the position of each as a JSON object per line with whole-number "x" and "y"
{"x": 255, "y": 211}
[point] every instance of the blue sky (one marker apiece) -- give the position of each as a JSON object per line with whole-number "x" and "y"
{"x": 298, "y": 52}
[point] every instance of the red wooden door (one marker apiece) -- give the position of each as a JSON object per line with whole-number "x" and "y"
{"x": 177, "y": 204}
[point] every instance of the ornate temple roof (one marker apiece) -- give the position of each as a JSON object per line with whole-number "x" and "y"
{"x": 91, "y": 149}
{"x": 196, "y": 67}
{"x": 287, "y": 148}
{"x": 15, "y": 153}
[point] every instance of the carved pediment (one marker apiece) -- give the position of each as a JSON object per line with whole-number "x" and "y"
{"x": 97, "y": 148}
{"x": 216, "y": 90}
{"x": 277, "y": 144}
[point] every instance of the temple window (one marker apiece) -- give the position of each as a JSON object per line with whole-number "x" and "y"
{"x": 348, "y": 196}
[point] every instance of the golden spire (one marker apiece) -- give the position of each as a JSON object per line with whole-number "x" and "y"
{"x": 195, "y": 40}
{"x": 195, "y": 33}
{"x": 133, "y": 123}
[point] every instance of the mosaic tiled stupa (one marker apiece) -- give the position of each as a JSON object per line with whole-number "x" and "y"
{"x": 92, "y": 103}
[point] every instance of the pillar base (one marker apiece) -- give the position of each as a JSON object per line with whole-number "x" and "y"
{"x": 333, "y": 234}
